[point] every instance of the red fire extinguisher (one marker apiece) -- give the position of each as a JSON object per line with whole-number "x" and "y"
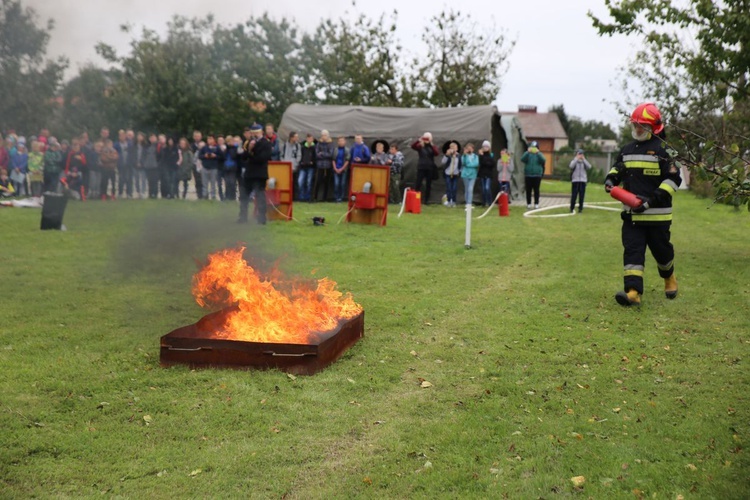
{"x": 502, "y": 204}
{"x": 625, "y": 196}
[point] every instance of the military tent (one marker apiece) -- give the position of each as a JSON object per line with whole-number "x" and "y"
{"x": 403, "y": 126}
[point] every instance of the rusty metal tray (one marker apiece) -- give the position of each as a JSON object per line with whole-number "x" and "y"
{"x": 192, "y": 345}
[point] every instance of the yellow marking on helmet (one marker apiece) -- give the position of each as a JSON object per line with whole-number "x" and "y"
{"x": 647, "y": 115}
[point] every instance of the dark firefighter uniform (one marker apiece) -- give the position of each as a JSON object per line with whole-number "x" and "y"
{"x": 645, "y": 169}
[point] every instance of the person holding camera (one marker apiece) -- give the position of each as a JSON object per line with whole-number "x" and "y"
{"x": 426, "y": 167}
{"x": 578, "y": 179}
{"x": 533, "y": 171}
{"x": 452, "y": 163}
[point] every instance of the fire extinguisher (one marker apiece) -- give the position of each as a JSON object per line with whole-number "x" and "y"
{"x": 625, "y": 196}
{"x": 502, "y": 204}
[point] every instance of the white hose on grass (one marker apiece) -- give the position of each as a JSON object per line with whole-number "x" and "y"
{"x": 403, "y": 203}
{"x": 491, "y": 205}
{"x": 347, "y": 213}
{"x": 536, "y": 211}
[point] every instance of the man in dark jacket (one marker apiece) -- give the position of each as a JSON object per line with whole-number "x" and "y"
{"x": 253, "y": 168}
{"x": 426, "y": 165}
{"x": 211, "y": 156}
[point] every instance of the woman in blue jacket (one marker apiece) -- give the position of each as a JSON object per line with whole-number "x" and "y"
{"x": 469, "y": 170}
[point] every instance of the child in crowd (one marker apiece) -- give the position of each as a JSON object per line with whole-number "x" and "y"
{"x": 6, "y": 187}
{"x": 469, "y": 171}
{"x": 486, "y": 170}
{"x": 452, "y": 164}
{"x": 340, "y": 170}
{"x": 307, "y": 168}
{"x": 36, "y": 161}
{"x": 108, "y": 166}
{"x": 380, "y": 157}
{"x": 51, "y": 168}
{"x": 19, "y": 163}
{"x": 185, "y": 170}
{"x": 505, "y": 169}
{"x": 396, "y": 162}
{"x": 74, "y": 181}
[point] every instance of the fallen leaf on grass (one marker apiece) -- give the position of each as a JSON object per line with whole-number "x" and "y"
{"x": 495, "y": 471}
{"x": 291, "y": 377}
{"x": 195, "y": 472}
{"x": 147, "y": 419}
{"x": 350, "y": 380}
{"x": 162, "y": 473}
{"x": 102, "y": 405}
{"x": 413, "y": 353}
{"x": 425, "y": 384}
{"x": 367, "y": 480}
{"x": 578, "y": 481}
{"x": 691, "y": 467}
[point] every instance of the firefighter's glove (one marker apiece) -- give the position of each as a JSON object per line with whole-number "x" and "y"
{"x": 643, "y": 206}
{"x": 608, "y": 185}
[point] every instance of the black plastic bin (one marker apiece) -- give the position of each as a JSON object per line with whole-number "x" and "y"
{"x": 53, "y": 210}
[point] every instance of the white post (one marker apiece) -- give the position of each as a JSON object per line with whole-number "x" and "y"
{"x": 467, "y": 243}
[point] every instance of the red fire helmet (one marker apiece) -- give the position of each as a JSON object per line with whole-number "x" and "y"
{"x": 648, "y": 114}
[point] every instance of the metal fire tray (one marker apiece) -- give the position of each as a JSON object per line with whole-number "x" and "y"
{"x": 192, "y": 345}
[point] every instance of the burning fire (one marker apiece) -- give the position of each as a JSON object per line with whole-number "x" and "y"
{"x": 271, "y": 308}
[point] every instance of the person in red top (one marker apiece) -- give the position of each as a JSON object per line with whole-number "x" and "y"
{"x": 4, "y": 156}
{"x": 76, "y": 162}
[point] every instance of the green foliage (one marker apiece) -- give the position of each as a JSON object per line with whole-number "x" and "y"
{"x": 463, "y": 64}
{"x": 29, "y": 82}
{"x": 696, "y": 65}
{"x": 88, "y": 104}
{"x": 263, "y": 70}
{"x": 355, "y": 60}
{"x": 172, "y": 85}
{"x": 220, "y": 78}
{"x": 537, "y": 374}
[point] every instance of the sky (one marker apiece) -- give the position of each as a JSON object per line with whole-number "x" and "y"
{"x": 558, "y": 57}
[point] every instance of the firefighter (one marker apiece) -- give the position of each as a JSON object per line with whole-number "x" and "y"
{"x": 644, "y": 168}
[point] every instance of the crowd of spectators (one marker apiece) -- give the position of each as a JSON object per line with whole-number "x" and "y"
{"x": 139, "y": 165}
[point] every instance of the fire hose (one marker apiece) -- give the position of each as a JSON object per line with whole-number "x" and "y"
{"x": 403, "y": 204}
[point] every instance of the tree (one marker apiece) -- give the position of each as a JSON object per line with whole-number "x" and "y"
{"x": 88, "y": 103}
{"x": 355, "y": 61}
{"x": 695, "y": 63}
{"x": 173, "y": 85}
{"x": 463, "y": 65}
{"x": 263, "y": 64}
{"x": 28, "y": 81}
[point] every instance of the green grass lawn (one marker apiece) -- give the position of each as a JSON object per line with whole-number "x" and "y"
{"x": 537, "y": 374}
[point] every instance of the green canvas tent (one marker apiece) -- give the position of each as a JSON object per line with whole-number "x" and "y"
{"x": 403, "y": 126}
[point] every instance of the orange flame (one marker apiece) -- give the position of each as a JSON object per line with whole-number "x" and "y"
{"x": 271, "y": 308}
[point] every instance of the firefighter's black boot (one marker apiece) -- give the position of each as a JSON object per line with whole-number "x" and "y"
{"x": 629, "y": 298}
{"x": 670, "y": 287}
